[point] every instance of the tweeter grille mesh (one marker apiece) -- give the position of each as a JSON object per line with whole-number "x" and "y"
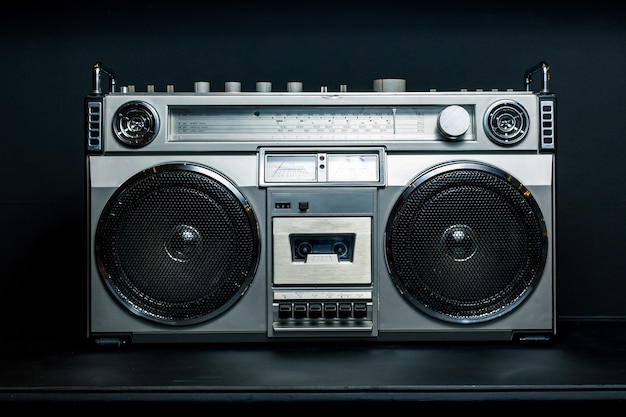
{"x": 136, "y": 124}
{"x": 506, "y": 122}
{"x": 466, "y": 243}
{"x": 177, "y": 244}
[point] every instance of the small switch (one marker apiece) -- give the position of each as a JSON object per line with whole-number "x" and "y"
{"x": 303, "y": 205}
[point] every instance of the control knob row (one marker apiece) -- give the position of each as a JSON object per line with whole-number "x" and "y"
{"x": 380, "y": 85}
{"x": 261, "y": 87}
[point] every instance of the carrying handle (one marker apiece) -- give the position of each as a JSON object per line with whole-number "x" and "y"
{"x": 543, "y": 66}
{"x": 98, "y": 69}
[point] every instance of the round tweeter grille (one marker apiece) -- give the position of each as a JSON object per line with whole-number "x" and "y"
{"x": 506, "y": 122}
{"x": 177, "y": 244}
{"x": 136, "y": 124}
{"x": 466, "y": 243}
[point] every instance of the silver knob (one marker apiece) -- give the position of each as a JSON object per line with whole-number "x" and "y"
{"x": 389, "y": 85}
{"x": 453, "y": 121}
{"x": 202, "y": 86}
{"x": 294, "y": 86}
{"x": 232, "y": 87}
{"x": 263, "y": 86}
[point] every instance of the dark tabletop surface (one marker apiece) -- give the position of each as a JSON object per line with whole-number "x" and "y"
{"x": 585, "y": 362}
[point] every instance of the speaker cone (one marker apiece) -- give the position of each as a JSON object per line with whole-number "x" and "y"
{"x": 177, "y": 244}
{"x": 466, "y": 242}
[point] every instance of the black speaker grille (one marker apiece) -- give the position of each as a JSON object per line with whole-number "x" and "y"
{"x": 177, "y": 244}
{"x": 466, "y": 243}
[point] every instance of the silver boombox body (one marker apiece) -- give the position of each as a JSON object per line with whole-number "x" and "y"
{"x": 271, "y": 216}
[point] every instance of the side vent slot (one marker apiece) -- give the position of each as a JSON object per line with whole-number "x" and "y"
{"x": 94, "y": 126}
{"x": 548, "y": 124}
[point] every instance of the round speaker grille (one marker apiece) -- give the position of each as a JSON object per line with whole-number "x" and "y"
{"x": 177, "y": 244}
{"x": 506, "y": 122}
{"x": 136, "y": 124}
{"x": 466, "y": 243}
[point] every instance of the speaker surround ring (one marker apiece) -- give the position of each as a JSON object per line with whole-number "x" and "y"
{"x": 465, "y": 242}
{"x": 177, "y": 244}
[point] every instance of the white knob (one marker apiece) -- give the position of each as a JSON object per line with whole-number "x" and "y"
{"x": 453, "y": 121}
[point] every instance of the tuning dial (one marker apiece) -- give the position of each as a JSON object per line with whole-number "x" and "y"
{"x": 453, "y": 121}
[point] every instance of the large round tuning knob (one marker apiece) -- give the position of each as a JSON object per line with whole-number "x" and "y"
{"x": 453, "y": 121}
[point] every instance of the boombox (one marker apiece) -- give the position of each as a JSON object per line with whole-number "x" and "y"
{"x": 266, "y": 216}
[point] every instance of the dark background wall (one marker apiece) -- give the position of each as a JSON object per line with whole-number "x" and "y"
{"x": 48, "y": 52}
